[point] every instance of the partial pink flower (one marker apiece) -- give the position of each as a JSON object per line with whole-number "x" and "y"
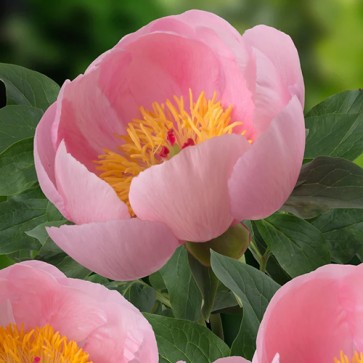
{"x": 315, "y": 318}
{"x": 182, "y": 128}
{"x": 35, "y": 295}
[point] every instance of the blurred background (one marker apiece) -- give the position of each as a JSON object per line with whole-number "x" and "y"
{"x": 60, "y": 38}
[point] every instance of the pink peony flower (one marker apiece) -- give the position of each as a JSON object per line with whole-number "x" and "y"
{"x": 315, "y": 318}
{"x": 47, "y": 317}
{"x": 182, "y": 128}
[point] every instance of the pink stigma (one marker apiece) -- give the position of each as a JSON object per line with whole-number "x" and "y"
{"x": 36, "y": 360}
{"x": 171, "y": 137}
{"x": 189, "y": 142}
{"x": 164, "y": 152}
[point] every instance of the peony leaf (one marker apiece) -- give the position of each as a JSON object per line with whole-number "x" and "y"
{"x": 254, "y": 289}
{"x": 185, "y": 296}
{"x": 326, "y": 183}
{"x": 19, "y": 214}
{"x": 17, "y": 172}
{"x": 137, "y": 292}
{"x": 17, "y": 123}
{"x": 297, "y": 245}
{"x": 26, "y": 87}
{"x": 184, "y": 340}
{"x": 336, "y": 127}
{"x": 343, "y": 230}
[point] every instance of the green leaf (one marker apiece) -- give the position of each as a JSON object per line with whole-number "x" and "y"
{"x": 207, "y": 284}
{"x": 137, "y": 292}
{"x": 184, "y": 340}
{"x": 17, "y": 123}
{"x": 19, "y": 214}
{"x": 326, "y": 183}
{"x": 298, "y": 246}
{"x": 336, "y": 127}
{"x": 26, "y": 87}
{"x": 69, "y": 267}
{"x": 5, "y": 261}
{"x": 343, "y": 230}
{"x": 254, "y": 289}
{"x": 185, "y": 297}
{"x": 17, "y": 172}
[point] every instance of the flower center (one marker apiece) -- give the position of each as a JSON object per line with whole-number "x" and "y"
{"x": 161, "y": 133}
{"x": 39, "y": 345}
{"x": 357, "y": 358}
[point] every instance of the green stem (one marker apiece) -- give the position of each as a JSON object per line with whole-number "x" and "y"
{"x": 216, "y": 325}
{"x": 264, "y": 260}
{"x": 256, "y": 253}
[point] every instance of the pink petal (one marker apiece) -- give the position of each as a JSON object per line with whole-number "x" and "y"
{"x": 314, "y": 316}
{"x": 266, "y": 174}
{"x": 270, "y": 95}
{"x": 44, "y": 154}
{"x": 237, "y": 75}
{"x": 101, "y": 321}
{"x": 280, "y": 49}
{"x": 189, "y": 192}
{"x": 86, "y": 120}
{"x": 86, "y": 197}
{"x": 120, "y": 250}
{"x": 160, "y": 65}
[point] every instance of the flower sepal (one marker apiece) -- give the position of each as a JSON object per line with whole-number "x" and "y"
{"x": 232, "y": 243}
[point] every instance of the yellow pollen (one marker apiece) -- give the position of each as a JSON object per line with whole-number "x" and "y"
{"x": 160, "y": 133}
{"x": 357, "y": 358}
{"x": 39, "y": 345}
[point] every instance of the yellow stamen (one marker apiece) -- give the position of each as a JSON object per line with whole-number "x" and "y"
{"x": 39, "y": 345}
{"x": 161, "y": 133}
{"x": 357, "y": 358}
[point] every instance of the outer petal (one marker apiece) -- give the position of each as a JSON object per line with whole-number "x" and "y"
{"x": 314, "y": 316}
{"x": 120, "y": 250}
{"x": 265, "y": 175}
{"x": 101, "y": 321}
{"x": 189, "y": 192}
{"x": 280, "y": 49}
{"x": 44, "y": 154}
{"x": 270, "y": 94}
{"x": 86, "y": 197}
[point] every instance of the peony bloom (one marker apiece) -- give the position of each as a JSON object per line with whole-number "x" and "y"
{"x": 181, "y": 129}
{"x": 47, "y": 317}
{"x": 315, "y": 318}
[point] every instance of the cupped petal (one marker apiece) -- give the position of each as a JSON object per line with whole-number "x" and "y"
{"x": 189, "y": 192}
{"x": 264, "y": 177}
{"x": 161, "y": 65}
{"x": 314, "y": 317}
{"x": 280, "y": 49}
{"x": 120, "y": 250}
{"x": 44, "y": 155}
{"x": 22, "y": 285}
{"x": 86, "y": 197}
{"x": 85, "y": 118}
